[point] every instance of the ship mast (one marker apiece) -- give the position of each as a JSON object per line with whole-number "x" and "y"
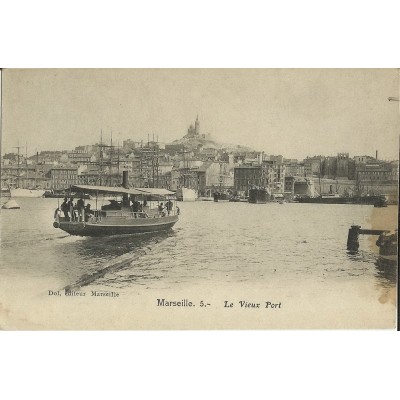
{"x": 111, "y": 157}
{"x": 26, "y": 163}
{"x": 18, "y": 147}
{"x": 101, "y": 155}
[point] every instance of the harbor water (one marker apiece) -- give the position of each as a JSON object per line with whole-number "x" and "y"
{"x": 291, "y": 253}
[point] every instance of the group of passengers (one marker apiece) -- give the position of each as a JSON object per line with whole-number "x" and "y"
{"x": 76, "y": 212}
{"x": 166, "y": 208}
{"x": 137, "y": 206}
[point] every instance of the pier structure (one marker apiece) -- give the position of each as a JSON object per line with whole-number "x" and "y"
{"x": 355, "y": 231}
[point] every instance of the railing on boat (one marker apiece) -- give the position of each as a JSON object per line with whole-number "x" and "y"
{"x": 98, "y": 215}
{"x": 130, "y": 214}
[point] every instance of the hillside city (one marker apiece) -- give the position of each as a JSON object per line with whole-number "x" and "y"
{"x": 198, "y": 162}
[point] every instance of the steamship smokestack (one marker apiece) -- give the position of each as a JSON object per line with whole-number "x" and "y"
{"x": 125, "y": 179}
{"x": 376, "y": 154}
{"x": 125, "y": 196}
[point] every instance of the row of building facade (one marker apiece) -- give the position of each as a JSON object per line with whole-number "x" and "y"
{"x": 192, "y": 163}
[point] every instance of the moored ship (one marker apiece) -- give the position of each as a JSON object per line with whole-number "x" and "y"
{"x": 259, "y": 196}
{"x": 334, "y": 198}
{"x": 220, "y": 197}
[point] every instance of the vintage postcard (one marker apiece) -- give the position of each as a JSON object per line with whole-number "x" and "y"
{"x": 137, "y": 199}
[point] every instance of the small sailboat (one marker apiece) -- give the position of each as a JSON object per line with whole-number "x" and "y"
{"x": 10, "y": 205}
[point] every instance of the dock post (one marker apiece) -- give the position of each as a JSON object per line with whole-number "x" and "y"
{"x": 352, "y": 238}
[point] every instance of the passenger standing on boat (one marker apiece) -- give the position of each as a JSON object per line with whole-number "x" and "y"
{"x": 65, "y": 208}
{"x": 169, "y": 206}
{"x": 71, "y": 208}
{"x": 135, "y": 206}
{"x": 80, "y": 205}
{"x": 88, "y": 212}
{"x": 56, "y": 212}
{"x": 160, "y": 207}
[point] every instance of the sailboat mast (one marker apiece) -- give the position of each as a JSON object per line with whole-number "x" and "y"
{"x": 101, "y": 155}
{"x": 26, "y": 164}
{"x": 157, "y": 162}
{"x": 319, "y": 177}
{"x": 118, "y": 160}
{"x": 18, "y": 147}
{"x": 37, "y": 166}
{"x": 111, "y": 157}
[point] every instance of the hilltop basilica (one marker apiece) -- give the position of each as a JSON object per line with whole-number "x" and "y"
{"x": 194, "y": 131}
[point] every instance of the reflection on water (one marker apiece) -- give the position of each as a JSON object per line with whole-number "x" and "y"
{"x": 104, "y": 248}
{"x": 214, "y": 245}
{"x": 123, "y": 250}
{"x": 386, "y": 272}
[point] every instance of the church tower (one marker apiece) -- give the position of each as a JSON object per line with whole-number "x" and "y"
{"x": 197, "y": 126}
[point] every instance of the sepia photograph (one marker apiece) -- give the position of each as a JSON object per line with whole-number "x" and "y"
{"x": 188, "y": 199}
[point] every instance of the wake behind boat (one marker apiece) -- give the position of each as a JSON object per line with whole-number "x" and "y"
{"x": 142, "y": 210}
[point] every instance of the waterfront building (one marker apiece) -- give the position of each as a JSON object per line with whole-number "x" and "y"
{"x": 342, "y": 168}
{"x": 25, "y": 177}
{"x": 80, "y": 157}
{"x": 312, "y": 166}
{"x": 269, "y": 174}
{"x": 329, "y": 167}
{"x": 304, "y": 187}
{"x": 63, "y": 177}
{"x": 165, "y": 180}
{"x": 246, "y": 177}
{"x": 375, "y": 171}
{"x": 363, "y": 159}
{"x": 214, "y": 176}
{"x": 352, "y": 170}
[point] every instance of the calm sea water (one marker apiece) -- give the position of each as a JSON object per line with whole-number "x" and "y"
{"x": 215, "y": 245}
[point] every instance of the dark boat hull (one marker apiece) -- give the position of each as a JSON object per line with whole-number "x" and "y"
{"x": 258, "y": 196}
{"x": 220, "y": 197}
{"x": 136, "y": 226}
{"x": 367, "y": 200}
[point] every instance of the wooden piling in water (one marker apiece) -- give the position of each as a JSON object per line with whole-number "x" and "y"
{"x": 352, "y": 238}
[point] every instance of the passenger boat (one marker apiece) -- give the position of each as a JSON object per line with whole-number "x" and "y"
{"x": 143, "y": 216}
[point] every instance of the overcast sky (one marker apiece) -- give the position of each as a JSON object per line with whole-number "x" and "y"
{"x": 292, "y": 112}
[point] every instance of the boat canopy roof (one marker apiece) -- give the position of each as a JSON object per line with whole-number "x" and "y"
{"x": 121, "y": 190}
{"x": 156, "y": 191}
